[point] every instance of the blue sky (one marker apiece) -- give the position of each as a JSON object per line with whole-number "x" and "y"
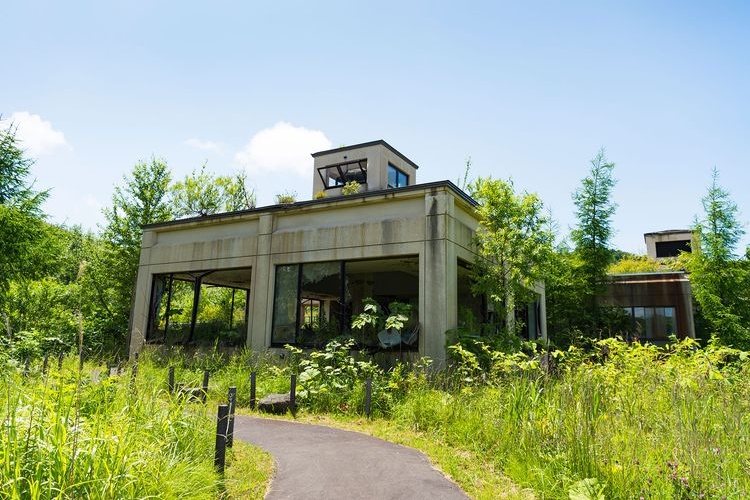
{"x": 529, "y": 90}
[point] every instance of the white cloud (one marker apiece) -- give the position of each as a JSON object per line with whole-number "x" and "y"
{"x": 204, "y": 145}
{"x": 36, "y": 135}
{"x": 282, "y": 149}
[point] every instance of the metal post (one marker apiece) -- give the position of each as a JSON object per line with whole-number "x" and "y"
{"x": 368, "y": 396}
{"x": 231, "y": 310}
{"x": 293, "y": 393}
{"x": 220, "y": 455}
{"x": 204, "y": 392}
{"x": 44, "y": 364}
{"x": 252, "y": 390}
{"x": 232, "y": 398}
{"x": 169, "y": 310}
{"x": 196, "y": 301}
{"x": 170, "y": 380}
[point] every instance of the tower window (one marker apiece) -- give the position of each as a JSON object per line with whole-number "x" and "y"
{"x": 396, "y": 178}
{"x": 338, "y": 175}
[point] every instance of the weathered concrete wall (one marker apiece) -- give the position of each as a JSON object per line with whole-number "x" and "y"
{"x": 434, "y": 223}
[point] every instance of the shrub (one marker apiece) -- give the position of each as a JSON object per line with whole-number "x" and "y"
{"x": 351, "y": 187}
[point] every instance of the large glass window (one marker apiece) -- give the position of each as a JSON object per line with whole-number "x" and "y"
{"x": 320, "y": 311}
{"x": 200, "y": 308}
{"x": 652, "y": 323}
{"x": 396, "y": 178}
{"x": 341, "y": 173}
{"x": 315, "y": 303}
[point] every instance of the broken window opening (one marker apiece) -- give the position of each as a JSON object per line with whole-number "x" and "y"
{"x": 200, "y": 308}
{"x": 338, "y": 175}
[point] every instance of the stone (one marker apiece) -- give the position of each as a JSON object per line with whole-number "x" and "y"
{"x": 191, "y": 393}
{"x": 278, "y": 404}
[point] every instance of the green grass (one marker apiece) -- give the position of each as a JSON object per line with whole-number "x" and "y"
{"x": 249, "y": 471}
{"x": 82, "y": 434}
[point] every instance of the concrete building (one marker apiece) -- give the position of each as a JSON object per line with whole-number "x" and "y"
{"x": 669, "y": 243}
{"x": 305, "y": 267}
{"x": 658, "y": 304}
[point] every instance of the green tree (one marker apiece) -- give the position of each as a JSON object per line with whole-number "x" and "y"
{"x": 720, "y": 281}
{"x": 513, "y": 242}
{"x": 202, "y": 193}
{"x": 143, "y": 199}
{"x": 21, "y": 216}
{"x": 593, "y": 232}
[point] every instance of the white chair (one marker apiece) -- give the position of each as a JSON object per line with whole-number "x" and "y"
{"x": 389, "y": 338}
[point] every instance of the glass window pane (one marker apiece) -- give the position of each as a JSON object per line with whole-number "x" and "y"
{"x": 392, "y": 176}
{"x": 649, "y": 322}
{"x": 319, "y": 303}
{"x": 669, "y": 321}
{"x": 385, "y": 281}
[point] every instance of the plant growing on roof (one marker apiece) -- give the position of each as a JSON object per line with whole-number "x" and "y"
{"x": 286, "y": 197}
{"x": 351, "y": 187}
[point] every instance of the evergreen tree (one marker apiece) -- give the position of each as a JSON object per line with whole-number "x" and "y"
{"x": 720, "y": 281}
{"x": 21, "y": 216}
{"x": 593, "y": 232}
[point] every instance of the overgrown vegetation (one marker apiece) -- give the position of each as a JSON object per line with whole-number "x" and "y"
{"x": 71, "y": 433}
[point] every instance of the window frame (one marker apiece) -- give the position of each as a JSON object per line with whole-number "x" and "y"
{"x": 341, "y": 180}
{"x": 650, "y": 317}
{"x": 399, "y": 175}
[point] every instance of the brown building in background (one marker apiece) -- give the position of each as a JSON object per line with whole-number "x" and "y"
{"x": 659, "y": 304}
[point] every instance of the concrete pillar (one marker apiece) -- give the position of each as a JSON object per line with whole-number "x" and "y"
{"x": 261, "y": 289}
{"x": 142, "y": 297}
{"x": 438, "y": 279}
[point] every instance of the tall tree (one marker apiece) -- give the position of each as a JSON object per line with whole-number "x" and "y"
{"x": 202, "y": 193}
{"x": 720, "y": 280}
{"x": 143, "y": 199}
{"x": 513, "y": 241}
{"x": 593, "y": 231}
{"x": 21, "y": 216}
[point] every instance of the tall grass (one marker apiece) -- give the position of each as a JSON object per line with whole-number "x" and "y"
{"x": 78, "y": 433}
{"x": 635, "y": 422}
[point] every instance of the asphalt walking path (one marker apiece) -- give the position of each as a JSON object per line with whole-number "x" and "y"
{"x": 317, "y": 462}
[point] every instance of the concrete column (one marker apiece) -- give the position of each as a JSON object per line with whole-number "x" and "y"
{"x": 142, "y": 297}
{"x": 438, "y": 279}
{"x": 261, "y": 289}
